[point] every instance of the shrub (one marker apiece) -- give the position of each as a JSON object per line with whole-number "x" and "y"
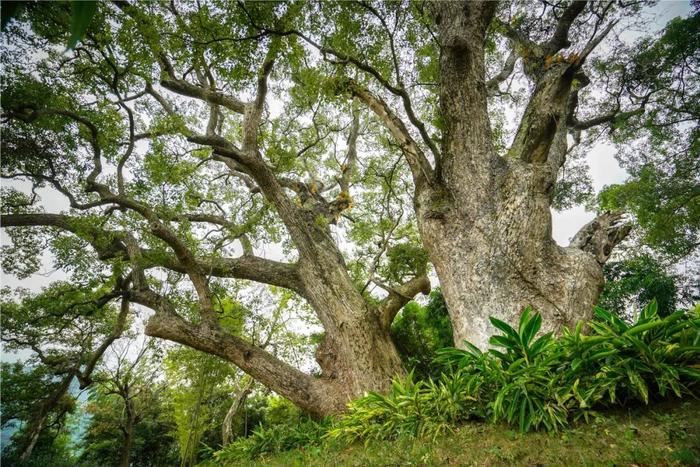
{"x": 540, "y": 382}
{"x": 419, "y": 332}
{"x": 272, "y": 440}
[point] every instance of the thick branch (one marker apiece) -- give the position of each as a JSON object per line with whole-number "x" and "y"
{"x": 246, "y": 267}
{"x": 602, "y": 234}
{"x": 185, "y": 88}
{"x": 304, "y": 390}
{"x": 109, "y": 245}
{"x": 399, "y": 296}
{"x": 505, "y": 72}
{"x": 560, "y": 38}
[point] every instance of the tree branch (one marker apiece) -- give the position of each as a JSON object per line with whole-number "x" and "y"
{"x": 602, "y": 234}
{"x": 304, "y": 390}
{"x": 399, "y": 296}
{"x": 418, "y": 163}
{"x": 108, "y": 244}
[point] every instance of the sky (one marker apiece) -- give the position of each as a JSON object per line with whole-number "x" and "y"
{"x": 604, "y": 169}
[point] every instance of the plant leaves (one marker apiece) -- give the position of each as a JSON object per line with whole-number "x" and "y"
{"x": 83, "y": 12}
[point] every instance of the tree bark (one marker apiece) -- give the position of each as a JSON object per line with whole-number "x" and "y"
{"x": 486, "y": 221}
{"x": 36, "y": 425}
{"x": 236, "y": 405}
{"x": 127, "y": 439}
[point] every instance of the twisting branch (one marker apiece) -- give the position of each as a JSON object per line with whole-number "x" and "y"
{"x": 420, "y": 166}
{"x": 260, "y": 364}
{"x": 560, "y": 38}
{"x": 602, "y": 234}
{"x": 111, "y": 244}
{"x": 351, "y": 159}
{"x": 506, "y": 71}
{"x": 399, "y": 296}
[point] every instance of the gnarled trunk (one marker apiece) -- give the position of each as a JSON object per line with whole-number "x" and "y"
{"x": 485, "y": 219}
{"x": 503, "y": 258}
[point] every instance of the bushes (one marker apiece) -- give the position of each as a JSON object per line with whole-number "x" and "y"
{"x": 419, "y": 332}
{"x": 271, "y": 440}
{"x": 526, "y": 381}
{"x": 539, "y": 382}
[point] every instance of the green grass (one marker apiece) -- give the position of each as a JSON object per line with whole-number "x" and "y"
{"x": 661, "y": 434}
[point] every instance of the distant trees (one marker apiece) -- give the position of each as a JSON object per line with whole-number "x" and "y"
{"x": 67, "y": 329}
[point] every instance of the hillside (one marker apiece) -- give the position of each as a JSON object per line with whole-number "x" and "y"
{"x": 662, "y": 434}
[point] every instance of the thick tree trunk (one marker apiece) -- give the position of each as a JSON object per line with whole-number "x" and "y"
{"x": 504, "y": 259}
{"x": 486, "y": 219}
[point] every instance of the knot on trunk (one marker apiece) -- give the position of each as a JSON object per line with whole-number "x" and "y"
{"x": 326, "y": 357}
{"x": 602, "y": 234}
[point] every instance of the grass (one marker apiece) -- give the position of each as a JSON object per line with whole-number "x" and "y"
{"x": 662, "y": 434}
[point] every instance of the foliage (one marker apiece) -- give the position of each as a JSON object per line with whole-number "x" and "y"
{"x": 199, "y": 386}
{"x": 23, "y": 387}
{"x": 530, "y": 382}
{"x": 539, "y": 382}
{"x": 637, "y": 281}
{"x": 664, "y": 434}
{"x": 272, "y": 440}
{"x": 420, "y": 331}
{"x": 281, "y": 426}
{"x": 659, "y": 146}
{"x": 54, "y": 448}
{"x": 153, "y": 445}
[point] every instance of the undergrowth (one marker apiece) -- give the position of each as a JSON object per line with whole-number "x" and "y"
{"x": 525, "y": 381}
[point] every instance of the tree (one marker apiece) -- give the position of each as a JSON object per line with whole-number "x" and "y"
{"x": 129, "y": 376}
{"x": 175, "y": 130}
{"x": 419, "y": 331}
{"x": 25, "y": 388}
{"x": 198, "y": 388}
{"x": 67, "y": 328}
{"x": 153, "y": 442}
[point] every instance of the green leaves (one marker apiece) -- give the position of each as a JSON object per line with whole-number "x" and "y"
{"x": 519, "y": 344}
{"x": 82, "y": 13}
{"x": 539, "y": 382}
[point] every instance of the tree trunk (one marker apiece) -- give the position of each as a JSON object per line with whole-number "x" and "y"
{"x": 485, "y": 219}
{"x": 128, "y": 436}
{"x": 38, "y": 422}
{"x": 505, "y": 259}
{"x": 236, "y": 405}
{"x": 356, "y": 355}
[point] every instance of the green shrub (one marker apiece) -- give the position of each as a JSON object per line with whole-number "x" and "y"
{"x": 419, "y": 332}
{"x": 540, "y": 382}
{"x": 272, "y": 440}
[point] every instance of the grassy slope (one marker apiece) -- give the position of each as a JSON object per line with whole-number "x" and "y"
{"x": 663, "y": 434}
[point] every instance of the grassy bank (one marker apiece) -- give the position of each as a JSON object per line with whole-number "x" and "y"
{"x": 662, "y": 434}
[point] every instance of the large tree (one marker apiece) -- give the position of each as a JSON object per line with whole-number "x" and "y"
{"x": 187, "y": 136}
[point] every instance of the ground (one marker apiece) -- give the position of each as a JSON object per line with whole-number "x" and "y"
{"x": 662, "y": 434}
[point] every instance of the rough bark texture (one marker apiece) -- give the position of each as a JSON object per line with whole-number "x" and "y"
{"x": 486, "y": 220}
